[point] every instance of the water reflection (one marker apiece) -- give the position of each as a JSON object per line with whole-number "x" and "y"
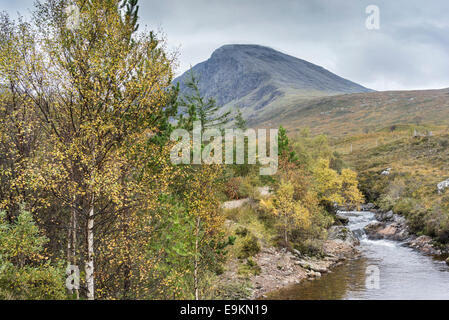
{"x": 331, "y": 286}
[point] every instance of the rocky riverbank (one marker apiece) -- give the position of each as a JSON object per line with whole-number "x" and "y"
{"x": 280, "y": 267}
{"x": 391, "y": 226}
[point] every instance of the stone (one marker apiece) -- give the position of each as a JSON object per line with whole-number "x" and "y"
{"x": 388, "y": 231}
{"x": 343, "y": 234}
{"x": 264, "y": 191}
{"x": 399, "y": 219}
{"x": 385, "y": 216}
{"x": 442, "y": 186}
{"x": 313, "y": 274}
{"x": 311, "y": 266}
{"x": 396, "y": 230}
{"x": 424, "y": 244}
{"x": 368, "y": 206}
{"x": 373, "y": 228}
{"x": 342, "y": 220}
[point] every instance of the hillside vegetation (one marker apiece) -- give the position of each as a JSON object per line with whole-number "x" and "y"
{"x": 346, "y": 115}
{"x": 417, "y": 164}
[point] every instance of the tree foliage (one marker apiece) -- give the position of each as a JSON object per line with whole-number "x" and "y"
{"x": 26, "y": 272}
{"x": 307, "y": 189}
{"x": 85, "y": 119}
{"x": 292, "y": 214}
{"x": 193, "y": 106}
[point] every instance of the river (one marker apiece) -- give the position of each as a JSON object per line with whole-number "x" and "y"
{"x": 393, "y": 271}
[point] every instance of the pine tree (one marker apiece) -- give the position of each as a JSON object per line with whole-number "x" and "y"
{"x": 25, "y": 270}
{"x": 240, "y": 122}
{"x": 284, "y": 147}
{"x": 195, "y": 107}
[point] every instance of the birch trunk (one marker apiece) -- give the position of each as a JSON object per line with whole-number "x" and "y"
{"x": 195, "y": 270}
{"x": 69, "y": 244}
{"x": 74, "y": 228}
{"x": 90, "y": 254}
{"x": 286, "y": 232}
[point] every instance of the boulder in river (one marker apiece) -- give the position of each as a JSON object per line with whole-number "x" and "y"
{"x": 396, "y": 230}
{"x": 385, "y": 216}
{"x": 373, "y": 228}
{"x": 343, "y": 234}
{"x": 425, "y": 245}
{"x": 343, "y": 220}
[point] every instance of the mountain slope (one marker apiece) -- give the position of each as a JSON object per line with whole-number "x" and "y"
{"x": 262, "y": 81}
{"x": 362, "y": 112}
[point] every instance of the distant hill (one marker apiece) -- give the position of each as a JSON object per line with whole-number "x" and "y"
{"x": 363, "y": 112}
{"x": 262, "y": 81}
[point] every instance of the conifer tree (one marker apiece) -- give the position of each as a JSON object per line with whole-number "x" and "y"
{"x": 193, "y": 106}
{"x": 240, "y": 122}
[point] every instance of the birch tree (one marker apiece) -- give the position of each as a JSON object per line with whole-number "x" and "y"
{"x": 203, "y": 206}
{"x": 291, "y": 213}
{"x": 97, "y": 89}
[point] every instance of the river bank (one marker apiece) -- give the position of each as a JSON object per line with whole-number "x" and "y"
{"x": 280, "y": 268}
{"x": 401, "y": 271}
{"x": 391, "y": 226}
{"x": 273, "y": 267}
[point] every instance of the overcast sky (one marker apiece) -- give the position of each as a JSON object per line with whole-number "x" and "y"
{"x": 409, "y": 51}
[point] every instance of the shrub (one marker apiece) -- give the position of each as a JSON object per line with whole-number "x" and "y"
{"x": 234, "y": 291}
{"x": 444, "y": 143}
{"x": 386, "y": 203}
{"x": 417, "y": 222}
{"x": 25, "y": 272}
{"x": 242, "y": 187}
{"x": 241, "y": 231}
{"x": 249, "y": 187}
{"x": 310, "y": 247}
{"x": 250, "y": 268}
{"x": 232, "y": 188}
{"x": 249, "y": 247}
{"x": 438, "y": 221}
{"x": 405, "y": 206}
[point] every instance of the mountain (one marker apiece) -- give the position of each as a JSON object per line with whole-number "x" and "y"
{"x": 262, "y": 81}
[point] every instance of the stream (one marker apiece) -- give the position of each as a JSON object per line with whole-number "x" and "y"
{"x": 403, "y": 273}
